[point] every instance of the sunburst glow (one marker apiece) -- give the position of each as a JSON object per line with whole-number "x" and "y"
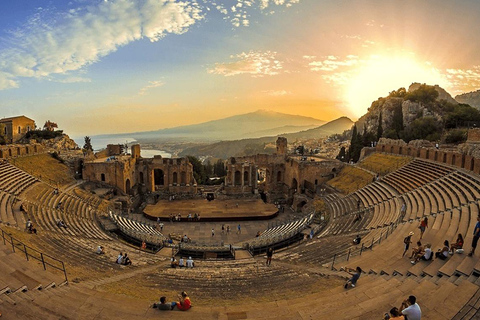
{"x": 380, "y": 75}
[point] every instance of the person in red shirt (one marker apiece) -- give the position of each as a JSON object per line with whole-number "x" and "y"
{"x": 184, "y": 304}
{"x": 457, "y": 245}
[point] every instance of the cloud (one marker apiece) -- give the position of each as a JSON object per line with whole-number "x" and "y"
{"x": 152, "y": 84}
{"x": 60, "y": 42}
{"x": 255, "y": 63}
{"x": 238, "y": 12}
{"x": 277, "y": 93}
{"x": 72, "y": 80}
{"x": 332, "y": 63}
{"x": 463, "y": 80}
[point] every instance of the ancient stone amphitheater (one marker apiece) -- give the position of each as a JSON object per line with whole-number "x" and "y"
{"x": 305, "y": 280}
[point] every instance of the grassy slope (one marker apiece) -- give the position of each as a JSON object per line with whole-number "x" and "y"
{"x": 45, "y": 167}
{"x": 384, "y": 163}
{"x": 351, "y": 179}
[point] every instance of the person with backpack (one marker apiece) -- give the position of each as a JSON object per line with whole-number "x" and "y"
{"x": 407, "y": 241}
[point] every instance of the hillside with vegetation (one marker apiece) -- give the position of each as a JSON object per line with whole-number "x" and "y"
{"x": 422, "y": 112}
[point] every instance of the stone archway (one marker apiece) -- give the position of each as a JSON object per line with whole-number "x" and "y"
{"x": 158, "y": 177}
{"x": 238, "y": 178}
{"x": 183, "y": 177}
{"x": 245, "y": 177}
{"x": 175, "y": 178}
{"x": 294, "y": 184}
{"x": 127, "y": 186}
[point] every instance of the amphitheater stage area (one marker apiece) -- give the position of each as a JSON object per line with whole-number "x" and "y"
{"x": 215, "y": 210}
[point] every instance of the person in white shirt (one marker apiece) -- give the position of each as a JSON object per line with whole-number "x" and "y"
{"x": 181, "y": 263}
{"x": 190, "y": 263}
{"x": 411, "y": 309}
{"x": 120, "y": 258}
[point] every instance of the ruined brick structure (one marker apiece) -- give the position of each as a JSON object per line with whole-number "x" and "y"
{"x": 278, "y": 175}
{"x": 466, "y": 156}
{"x": 16, "y": 150}
{"x": 15, "y": 128}
{"x": 131, "y": 173}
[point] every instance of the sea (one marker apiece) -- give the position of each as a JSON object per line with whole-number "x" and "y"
{"x": 101, "y": 143}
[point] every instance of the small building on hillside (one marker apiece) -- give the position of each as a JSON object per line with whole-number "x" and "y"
{"x": 15, "y": 128}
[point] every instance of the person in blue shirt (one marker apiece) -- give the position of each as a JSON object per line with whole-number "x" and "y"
{"x": 476, "y": 236}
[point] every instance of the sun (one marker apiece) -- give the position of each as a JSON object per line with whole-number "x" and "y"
{"x": 378, "y": 76}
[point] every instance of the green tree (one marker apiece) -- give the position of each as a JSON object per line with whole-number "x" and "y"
{"x": 342, "y": 156}
{"x": 379, "y": 127}
{"x": 427, "y": 128}
{"x": 88, "y": 144}
{"x": 356, "y": 145}
{"x": 198, "y": 170}
{"x": 424, "y": 94}
{"x": 219, "y": 168}
{"x": 400, "y": 93}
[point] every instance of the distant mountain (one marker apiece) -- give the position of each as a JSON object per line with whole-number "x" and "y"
{"x": 471, "y": 98}
{"x": 336, "y": 126}
{"x": 250, "y": 125}
{"x": 236, "y": 148}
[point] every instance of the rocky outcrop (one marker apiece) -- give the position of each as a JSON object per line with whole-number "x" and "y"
{"x": 421, "y": 144}
{"x": 471, "y": 98}
{"x": 392, "y": 142}
{"x": 442, "y": 94}
{"x": 60, "y": 143}
{"x": 414, "y": 110}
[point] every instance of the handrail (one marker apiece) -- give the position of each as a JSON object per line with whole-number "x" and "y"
{"x": 41, "y": 257}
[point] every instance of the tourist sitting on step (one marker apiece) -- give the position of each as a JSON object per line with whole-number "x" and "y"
{"x": 173, "y": 262}
{"x": 126, "y": 260}
{"x": 442, "y": 254}
{"x": 458, "y": 245}
{"x": 411, "y": 309}
{"x": 355, "y": 276}
{"x": 190, "y": 263}
{"x": 31, "y": 228}
{"x": 425, "y": 255}
{"x": 119, "y": 258}
{"x": 418, "y": 249}
{"x": 394, "y": 315}
{"x": 163, "y": 305}
{"x": 100, "y": 250}
{"x": 181, "y": 262}
{"x": 61, "y": 224}
{"x": 357, "y": 239}
{"x": 184, "y": 302}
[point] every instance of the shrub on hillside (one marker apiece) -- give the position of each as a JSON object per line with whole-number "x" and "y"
{"x": 40, "y": 135}
{"x": 456, "y": 136}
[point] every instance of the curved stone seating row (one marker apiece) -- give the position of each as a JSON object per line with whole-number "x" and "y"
{"x": 6, "y": 212}
{"x": 415, "y": 174}
{"x": 281, "y": 232}
{"x": 14, "y": 180}
{"x": 138, "y": 230}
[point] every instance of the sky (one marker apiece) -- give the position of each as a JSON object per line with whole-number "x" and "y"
{"x": 112, "y": 66}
